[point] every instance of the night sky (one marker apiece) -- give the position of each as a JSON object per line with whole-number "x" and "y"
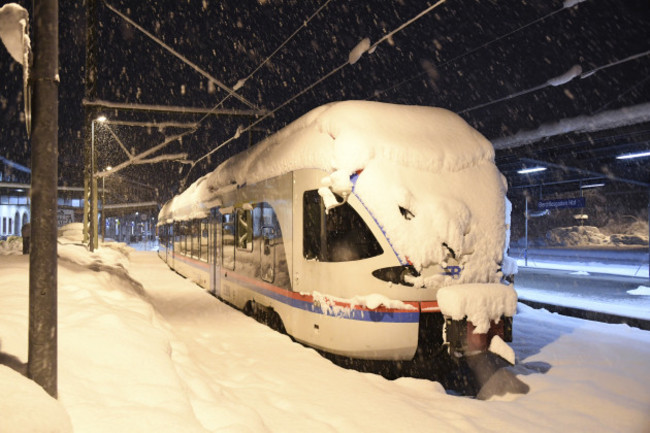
{"x": 460, "y": 55}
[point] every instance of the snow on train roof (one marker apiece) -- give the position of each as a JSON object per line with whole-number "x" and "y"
{"x": 344, "y": 136}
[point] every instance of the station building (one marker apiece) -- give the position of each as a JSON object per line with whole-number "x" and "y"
{"x": 130, "y": 212}
{"x": 14, "y": 197}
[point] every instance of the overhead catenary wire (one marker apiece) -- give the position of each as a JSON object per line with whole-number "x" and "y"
{"x": 135, "y": 159}
{"x": 566, "y": 5}
{"x": 282, "y": 105}
{"x": 128, "y": 154}
{"x": 615, "y": 63}
{"x": 620, "y": 95}
{"x": 557, "y": 81}
{"x": 304, "y": 24}
{"x": 314, "y": 84}
{"x": 241, "y": 82}
{"x": 405, "y": 24}
{"x": 193, "y": 65}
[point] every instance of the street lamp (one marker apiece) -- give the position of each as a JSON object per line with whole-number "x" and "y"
{"x": 107, "y": 169}
{"x": 93, "y": 185}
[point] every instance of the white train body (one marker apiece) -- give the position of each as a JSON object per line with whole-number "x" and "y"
{"x": 346, "y": 224}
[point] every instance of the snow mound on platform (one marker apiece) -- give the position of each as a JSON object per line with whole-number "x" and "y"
{"x": 577, "y": 236}
{"x": 72, "y": 232}
{"x": 12, "y": 245}
{"x": 26, "y": 408}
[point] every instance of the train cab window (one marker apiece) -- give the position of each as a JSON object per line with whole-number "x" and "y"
{"x": 245, "y": 229}
{"x": 337, "y": 236}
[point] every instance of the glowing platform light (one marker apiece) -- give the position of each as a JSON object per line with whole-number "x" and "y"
{"x": 531, "y": 170}
{"x": 592, "y": 185}
{"x": 634, "y": 155}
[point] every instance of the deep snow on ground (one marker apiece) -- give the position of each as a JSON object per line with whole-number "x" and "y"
{"x": 143, "y": 349}
{"x": 637, "y": 270}
{"x": 636, "y": 306}
{"x": 11, "y": 245}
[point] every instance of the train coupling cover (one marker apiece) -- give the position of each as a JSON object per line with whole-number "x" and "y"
{"x": 486, "y": 357}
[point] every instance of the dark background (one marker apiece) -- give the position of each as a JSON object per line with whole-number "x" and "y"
{"x": 462, "y": 54}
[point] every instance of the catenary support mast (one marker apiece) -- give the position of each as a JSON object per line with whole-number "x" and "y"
{"x": 90, "y": 182}
{"x": 42, "y": 347}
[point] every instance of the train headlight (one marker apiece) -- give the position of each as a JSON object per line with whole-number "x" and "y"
{"x": 396, "y": 274}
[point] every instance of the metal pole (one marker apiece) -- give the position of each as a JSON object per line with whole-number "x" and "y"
{"x": 42, "y": 346}
{"x": 103, "y": 209}
{"x": 526, "y": 244}
{"x": 93, "y": 191}
{"x": 89, "y": 115}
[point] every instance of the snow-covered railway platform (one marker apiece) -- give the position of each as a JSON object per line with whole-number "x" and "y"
{"x": 604, "y": 284}
{"x": 143, "y": 349}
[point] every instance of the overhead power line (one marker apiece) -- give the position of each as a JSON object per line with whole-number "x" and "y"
{"x": 370, "y": 49}
{"x": 615, "y": 63}
{"x": 141, "y": 156}
{"x": 172, "y": 108}
{"x": 574, "y": 72}
{"x": 567, "y": 5}
{"x": 241, "y": 82}
{"x": 193, "y": 65}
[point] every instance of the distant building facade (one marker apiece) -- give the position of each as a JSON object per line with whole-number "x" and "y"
{"x": 14, "y": 197}
{"x": 132, "y": 220}
{"x": 15, "y": 212}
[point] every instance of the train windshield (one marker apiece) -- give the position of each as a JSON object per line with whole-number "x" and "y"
{"x": 340, "y": 235}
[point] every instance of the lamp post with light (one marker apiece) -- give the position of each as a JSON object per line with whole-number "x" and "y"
{"x": 93, "y": 243}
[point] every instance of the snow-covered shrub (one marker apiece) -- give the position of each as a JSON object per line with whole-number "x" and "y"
{"x": 576, "y": 236}
{"x": 13, "y": 245}
{"x": 585, "y": 236}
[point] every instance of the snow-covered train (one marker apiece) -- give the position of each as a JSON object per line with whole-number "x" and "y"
{"x": 362, "y": 229}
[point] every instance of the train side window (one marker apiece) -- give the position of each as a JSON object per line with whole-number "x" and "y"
{"x": 196, "y": 241}
{"x": 337, "y": 236}
{"x": 245, "y": 229}
{"x": 203, "y": 240}
{"x": 182, "y": 238}
{"x": 176, "y": 238}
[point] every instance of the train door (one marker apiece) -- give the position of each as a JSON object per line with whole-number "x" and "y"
{"x": 174, "y": 244}
{"x": 228, "y": 241}
{"x": 273, "y": 261}
{"x": 168, "y": 241}
{"x": 213, "y": 249}
{"x": 227, "y": 245}
{"x": 163, "y": 232}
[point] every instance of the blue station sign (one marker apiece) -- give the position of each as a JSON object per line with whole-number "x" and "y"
{"x": 562, "y": 203}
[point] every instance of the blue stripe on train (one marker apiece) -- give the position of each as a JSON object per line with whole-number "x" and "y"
{"x": 333, "y": 310}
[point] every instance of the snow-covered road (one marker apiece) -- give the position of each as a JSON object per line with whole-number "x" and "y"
{"x": 147, "y": 350}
